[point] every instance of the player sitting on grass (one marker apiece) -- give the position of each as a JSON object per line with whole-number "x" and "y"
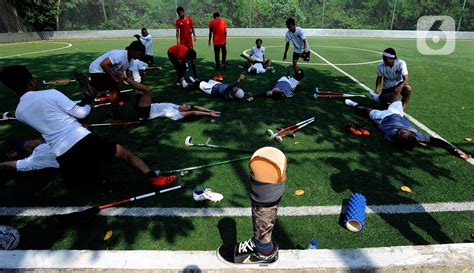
{"x": 301, "y": 47}
{"x": 107, "y": 72}
{"x": 31, "y": 155}
{"x": 398, "y": 129}
{"x": 80, "y": 153}
{"x": 224, "y": 90}
{"x": 181, "y": 56}
{"x": 267, "y": 185}
{"x": 256, "y": 58}
{"x": 284, "y": 88}
{"x": 394, "y": 73}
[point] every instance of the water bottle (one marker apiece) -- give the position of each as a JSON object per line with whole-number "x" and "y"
{"x": 313, "y": 244}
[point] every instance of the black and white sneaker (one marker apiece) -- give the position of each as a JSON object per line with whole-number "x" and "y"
{"x": 246, "y": 253}
{"x": 87, "y": 90}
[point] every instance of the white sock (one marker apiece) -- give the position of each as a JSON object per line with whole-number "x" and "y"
{"x": 351, "y": 103}
{"x": 184, "y": 84}
{"x": 191, "y": 78}
{"x": 374, "y": 95}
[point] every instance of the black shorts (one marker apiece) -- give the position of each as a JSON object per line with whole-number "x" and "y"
{"x": 148, "y": 59}
{"x": 83, "y": 163}
{"x": 391, "y": 89}
{"x": 305, "y": 56}
{"x": 180, "y": 68}
{"x": 103, "y": 82}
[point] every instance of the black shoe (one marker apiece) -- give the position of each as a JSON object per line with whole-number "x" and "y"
{"x": 87, "y": 90}
{"x": 245, "y": 253}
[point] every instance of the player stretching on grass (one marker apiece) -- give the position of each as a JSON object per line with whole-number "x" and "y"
{"x": 284, "y": 88}
{"x": 181, "y": 56}
{"x": 398, "y": 129}
{"x": 218, "y": 28}
{"x": 107, "y": 72}
{"x": 146, "y": 40}
{"x": 184, "y": 28}
{"x": 256, "y": 58}
{"x": 301, "y": 47}
{"x": 394, "y": 73}
{"x": 223, "y": 90}
{"x": 81, "y": 154}
{"x": 267, "y": 185}
{"x": 31, "y": 155}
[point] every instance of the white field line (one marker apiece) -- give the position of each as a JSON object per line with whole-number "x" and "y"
{"x": 226, "y": 212}
{"x": 41, "y": 51}
{"x": 412, "y": 119}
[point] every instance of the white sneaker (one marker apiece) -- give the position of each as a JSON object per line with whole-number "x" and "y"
{"x": 207, "y": 194}
{"x": 350, "y": 103}
{"x": 374, "y": 95}
{"x": 184, "y": 84}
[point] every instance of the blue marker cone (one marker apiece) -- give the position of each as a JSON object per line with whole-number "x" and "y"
{"x": 355, "y": 215}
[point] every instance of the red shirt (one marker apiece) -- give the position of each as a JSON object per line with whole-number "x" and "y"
{"x": 179, "y": 51}
{"x": 219, "y": 28}
{"x": 184, "y": 26}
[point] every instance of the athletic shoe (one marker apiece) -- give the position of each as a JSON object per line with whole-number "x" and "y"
{"x": 363, "y": 131}
{"x": 87, "y": 90}
{"x": 162, "y": 180}
{"x": 352, "y": 130}
{"x": 184, "y": 84}
{"x": 221, "y": 77}
{"x": 348, "y": 102}
{"x": 207, "y": 194}
{"x": 215, "y": 78}
{"x": 246, "y": 253}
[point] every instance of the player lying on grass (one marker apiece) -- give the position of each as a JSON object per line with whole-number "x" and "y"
{"x": 106, "y": 73}
{"x": 80, "y": 153}
{"x": 284, "y": 88}
{"x": 181, "y": 57}
{"x": 146, "y": 109}
{"x": 267, "y": 185}
{"x": 218, "y": 89}
{"x": 394, "y": 73}
{"x": 31, "y": 155}
{"x": 256, "y": 58}
{"x": 398, "y": 129}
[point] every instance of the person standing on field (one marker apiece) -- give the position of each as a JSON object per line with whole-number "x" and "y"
{"x": 218, "y": 28}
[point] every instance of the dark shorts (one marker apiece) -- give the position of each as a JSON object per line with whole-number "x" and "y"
{"x": 83, "y": 163}
{"x": 305, "y": 56}
{"x": 103, "y": 82}
{"x": 148, "y": 59}
{"x": 180, "y": 68}
{"x": 391, "y": 89}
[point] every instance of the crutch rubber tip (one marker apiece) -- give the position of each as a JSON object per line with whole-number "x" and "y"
{"x": 188, "y": 141}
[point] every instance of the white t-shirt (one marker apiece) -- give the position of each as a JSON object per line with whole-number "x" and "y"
{"x": 297, "y": 38}
{"x": 135, "y": 67}
{"x": 118, "y": 58}
{"x": 291, "y": 81}
{"x": 166, "y": 110}
{"x": 392, "y": 75}
{"x": 46, "y": 112}
{"x": 258, "y": 67}
{"x": 41, "y": 158}
{"x": 257, "y": 53}
{"x": 148, "y": 43}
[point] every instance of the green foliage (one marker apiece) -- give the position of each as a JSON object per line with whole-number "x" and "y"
{"x": 345, "y": 14}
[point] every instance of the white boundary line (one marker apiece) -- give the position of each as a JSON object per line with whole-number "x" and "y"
{"x": 239, "y": 212}
{"x": 412, "y": 119}
{"x": 41, "y": 51}
{"x": 440, "y": 258}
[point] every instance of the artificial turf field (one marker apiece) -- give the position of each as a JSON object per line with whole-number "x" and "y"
{"x": 328, "y": 163}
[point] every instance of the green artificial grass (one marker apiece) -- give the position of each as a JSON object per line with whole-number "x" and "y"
{"x": 328, "y": 163}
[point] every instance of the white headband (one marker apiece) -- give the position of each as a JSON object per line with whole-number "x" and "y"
{"x": 388, "y": 55}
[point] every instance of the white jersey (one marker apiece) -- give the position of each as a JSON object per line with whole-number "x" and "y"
{"x": 165, "y": 110}
{"x": 392, "y": 75}
{"x": 41, "y": 158}
{"x": 135, "y": 67}
{"x": 291, "y": 81}
{"x": 46, "y": 111}
{"x": 297, "y": 38}
{"x": 258, "y": 67}
{"x": 118, "y": 58}
{"x": 148, "y": 43}
{"x": 257, "y": 53}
